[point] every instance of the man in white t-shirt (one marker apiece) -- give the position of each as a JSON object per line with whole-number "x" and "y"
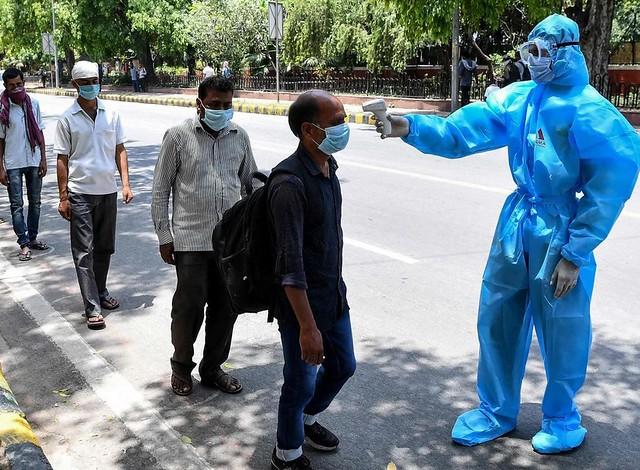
{"x": 90, "y": 147}
{"x": 208, "y": 71}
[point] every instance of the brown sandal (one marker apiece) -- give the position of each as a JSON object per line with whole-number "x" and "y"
{"x": 96, "y": 322}
{"x": 181, "y": 386}
{"x": 222, "y": 381}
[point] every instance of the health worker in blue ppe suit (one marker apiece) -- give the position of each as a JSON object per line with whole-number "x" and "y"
{"x": 563, "y": 138}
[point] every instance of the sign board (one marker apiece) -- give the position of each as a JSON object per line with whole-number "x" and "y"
{"x": 275, "y": 20}
{"x": 47, "y": 44}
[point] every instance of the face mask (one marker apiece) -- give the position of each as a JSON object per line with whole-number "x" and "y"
{"x": 540, "y": 68}
{"x": 89, "y": 92}
{"x": 18, "y": 95}
{"x": 217, "y": 119}
{"x": 337, "y": 138}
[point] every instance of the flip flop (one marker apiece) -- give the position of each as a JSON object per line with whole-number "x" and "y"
{"x": 181, "y": 386}
{"x": 38, "y": 245}
{"x": 109, "y": 303}
{"x": 96, "y": 322}
{"x": 25, "y": 256}
{"x": 222, "y": 381}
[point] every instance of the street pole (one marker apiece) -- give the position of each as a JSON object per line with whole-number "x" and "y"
{"x": 277, "y": 56}
{"x": 455, "y": 57}
{"x": 55, "y": 47}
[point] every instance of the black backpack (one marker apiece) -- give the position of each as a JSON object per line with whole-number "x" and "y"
{"x": 243, "y": 250}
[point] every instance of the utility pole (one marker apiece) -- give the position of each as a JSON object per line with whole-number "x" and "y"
{"x": 278, "y": 58}
{"x": 455, "y": 57}
{"x": 55, "y": 47}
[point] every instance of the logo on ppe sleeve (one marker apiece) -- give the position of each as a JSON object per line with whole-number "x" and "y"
{"x": 540, "y": 139}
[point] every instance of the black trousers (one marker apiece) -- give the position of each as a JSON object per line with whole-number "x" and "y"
{"x": 93, "y": 241}
{"x": 199, "y": 284}
{"x": 466, "y": 94}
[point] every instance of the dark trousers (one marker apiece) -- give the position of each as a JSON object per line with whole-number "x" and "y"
{"x": 308, "y": 389}
{"x": 466, "y": 94}
{"x": 93, "y": 237}
{"x": 199, "y": 284}
{"x": 26, "y": 232}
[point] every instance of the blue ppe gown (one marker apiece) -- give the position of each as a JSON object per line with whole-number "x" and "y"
{"x": 563, "y": 138}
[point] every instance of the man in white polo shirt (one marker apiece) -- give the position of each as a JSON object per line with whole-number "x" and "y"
{"x": 90, "y": 146}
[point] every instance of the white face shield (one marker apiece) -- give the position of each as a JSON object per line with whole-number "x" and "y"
{"x": 539, "y": 48}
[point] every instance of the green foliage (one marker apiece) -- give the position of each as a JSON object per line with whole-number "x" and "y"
{"x": 232, "y": 30}
{"x": 626, "y": 23}
{"x": 330, "y": 33}
{"x": 434, "y": 19}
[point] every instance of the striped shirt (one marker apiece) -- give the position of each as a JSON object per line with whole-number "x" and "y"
{"x": 206, "y": 176}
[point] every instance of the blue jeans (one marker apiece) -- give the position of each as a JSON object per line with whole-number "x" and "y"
{"x": 28, "y": 232}
{"x": 308, "y": 389}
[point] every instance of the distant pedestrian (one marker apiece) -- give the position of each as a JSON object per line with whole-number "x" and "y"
{"x": 134, "y": 77}
{"x": 142, "y": 78}
{"x": 208, "y": 71}
{"x": 226, "y": 70}
{"x": 43, "y": 78}
{"x": 305, "y": 203}
{"x": 22, "y": 156}
{"x": 205, "y": 164}
{"x": 466, "y": 70}
{"x": 523, "y": 70}
{"x": 511, "y": 73}
{"x": 90, "y": 147}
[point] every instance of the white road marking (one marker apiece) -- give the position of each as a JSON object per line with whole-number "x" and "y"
{"x": 380, "y": 251}
{"x": 421, "y": 176}
{"x": 125, "y": 401}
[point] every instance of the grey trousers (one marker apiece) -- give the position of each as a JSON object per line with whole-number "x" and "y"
{"x": 199, "y": 284}
{"x": 93, "y": 237}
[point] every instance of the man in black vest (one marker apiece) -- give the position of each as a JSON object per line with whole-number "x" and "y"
{"x": 311, "y": 307}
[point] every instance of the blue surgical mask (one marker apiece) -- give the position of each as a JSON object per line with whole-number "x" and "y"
{"x": 540, "y": 68}
{"x": 217, "y": 119}
{"x": 337, "y": 138}
{"x": 89, "y": 92}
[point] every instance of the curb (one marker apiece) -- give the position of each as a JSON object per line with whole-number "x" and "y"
{"x": 269, "y": 109}
{"x": 16, "y": 436}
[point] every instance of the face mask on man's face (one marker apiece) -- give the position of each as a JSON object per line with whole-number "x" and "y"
{"x": 18, "y": 95}
{"x": 336, "y": 138}
{"x": 216, "y": 119}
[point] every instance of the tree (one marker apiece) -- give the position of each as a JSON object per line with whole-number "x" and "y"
{"x": 626, "y": 25}
{"x": 230, "y": 30}
{"x": 595, "y": 18}
{"x": 332, "y": 33}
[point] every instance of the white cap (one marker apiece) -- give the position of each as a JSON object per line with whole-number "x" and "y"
{"x": 84, "y": 69}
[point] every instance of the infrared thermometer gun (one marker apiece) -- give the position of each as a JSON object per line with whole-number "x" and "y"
{"x": 379, "y": 108}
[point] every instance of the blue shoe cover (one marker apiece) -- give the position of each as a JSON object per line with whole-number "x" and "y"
{"x": 556, "y": 437}
{"x": 477, "y": 427}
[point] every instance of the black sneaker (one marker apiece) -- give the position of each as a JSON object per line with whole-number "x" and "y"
{"x": 320, "y": 438}
{"x": 301, "y": 463}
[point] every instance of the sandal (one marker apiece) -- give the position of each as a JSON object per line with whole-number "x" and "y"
{"x": 222, "y": 381}
{"x": 26, "y": 256}
{"x": 109, "y": 303}
{"x": 38, "y": 245}
{"x": 96, "y": 322}
{"x": 181, "y": 386}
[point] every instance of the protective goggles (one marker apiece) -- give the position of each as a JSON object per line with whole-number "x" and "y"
{"x": 539, "y": 48}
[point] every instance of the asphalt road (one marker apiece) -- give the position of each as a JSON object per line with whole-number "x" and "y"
{"x": 418, "y": 230}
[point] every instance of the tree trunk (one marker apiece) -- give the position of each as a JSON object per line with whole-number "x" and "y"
{"x": 147, "y": 60}
{"x": 70, "y": 59}
{"x": 595, "y": 18}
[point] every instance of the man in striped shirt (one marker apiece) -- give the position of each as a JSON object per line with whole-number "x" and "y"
{"x": 206, "y": 163}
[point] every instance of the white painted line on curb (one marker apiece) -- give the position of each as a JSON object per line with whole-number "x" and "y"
{"x": 380, "y": 251}
{"x": 124, "y": 400}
